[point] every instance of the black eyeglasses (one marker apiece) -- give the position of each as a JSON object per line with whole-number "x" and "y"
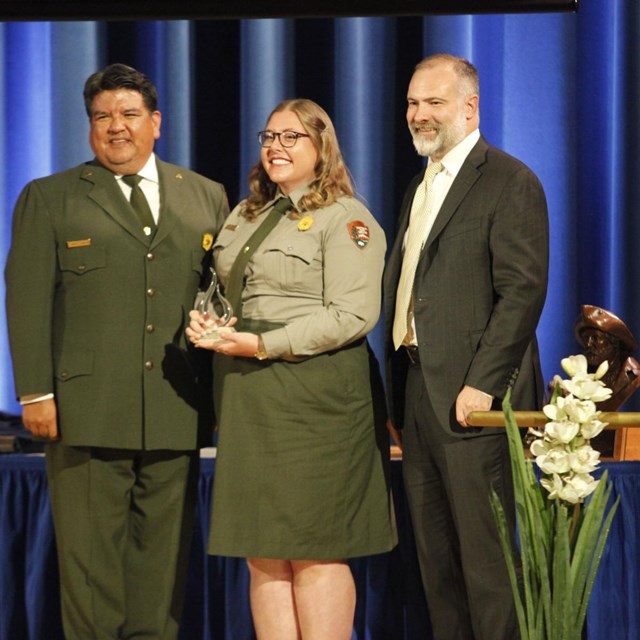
{"x": 286, "y": 138}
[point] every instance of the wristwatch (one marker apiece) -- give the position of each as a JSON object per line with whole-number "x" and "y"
{"x": 261, "y": 353}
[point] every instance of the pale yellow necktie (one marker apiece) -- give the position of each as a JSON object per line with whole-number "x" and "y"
{"x": 420, "y": 211}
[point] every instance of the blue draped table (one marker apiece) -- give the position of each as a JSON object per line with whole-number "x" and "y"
{"x": 390, "y": 600}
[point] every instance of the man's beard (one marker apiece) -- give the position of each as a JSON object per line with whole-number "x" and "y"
{"x": 447, "y": 137}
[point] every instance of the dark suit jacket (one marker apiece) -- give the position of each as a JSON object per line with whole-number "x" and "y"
{"x": 97, "y": 311}
{"x": 479, "y": 289}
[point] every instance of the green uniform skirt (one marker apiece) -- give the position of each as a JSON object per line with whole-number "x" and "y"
{"x": 302, "y": 471}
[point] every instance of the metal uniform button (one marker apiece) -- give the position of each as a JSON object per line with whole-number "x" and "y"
{"x": 150, "y": 256}
{"x": 64, "y": 374}
{"x": 151, "y": 292}
{"x": 148, "y": 365}
{"x": 149, "y": 328}
{"x": 82, "y": 267}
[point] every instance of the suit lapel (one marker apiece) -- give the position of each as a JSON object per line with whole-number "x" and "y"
{"x": 108, "y": 195}
{"x": 172, "y": 201}
{"x": 466, "y": 178}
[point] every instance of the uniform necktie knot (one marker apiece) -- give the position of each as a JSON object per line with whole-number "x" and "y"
{"x": 283, "y": 205}
{"x": 133, "y": 180}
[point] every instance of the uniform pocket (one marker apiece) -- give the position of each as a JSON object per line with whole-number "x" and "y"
{"x": 293, "y": 264}
{"x": 73, "y": 364}
{"x": 81, "y": 260}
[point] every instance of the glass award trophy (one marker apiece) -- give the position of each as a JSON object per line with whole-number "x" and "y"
{"x": 218, "y": 309}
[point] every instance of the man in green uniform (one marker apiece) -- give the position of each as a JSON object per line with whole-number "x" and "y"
{"x": 104, "y": 265}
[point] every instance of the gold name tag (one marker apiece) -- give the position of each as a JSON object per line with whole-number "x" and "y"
{"x": 72, "y": 244}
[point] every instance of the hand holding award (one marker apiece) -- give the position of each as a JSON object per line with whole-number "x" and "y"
{"x": 214, "y": 315}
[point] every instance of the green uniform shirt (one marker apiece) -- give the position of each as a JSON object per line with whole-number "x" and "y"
{"x": 316, "y": 272}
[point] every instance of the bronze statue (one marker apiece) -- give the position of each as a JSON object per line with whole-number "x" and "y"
{"x": 605, "y": 337}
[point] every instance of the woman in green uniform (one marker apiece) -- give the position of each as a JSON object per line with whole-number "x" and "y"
{"x": 301, "y": 479}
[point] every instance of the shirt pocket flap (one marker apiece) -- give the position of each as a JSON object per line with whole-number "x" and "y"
{"x": 73, "y": 364}
{"x": 81, "y": 260}
{"x": 303, "y": 248}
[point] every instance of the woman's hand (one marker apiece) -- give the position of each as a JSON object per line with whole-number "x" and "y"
{"x": 199, "y": 323}
{"x": 236, "y": 344}
{"x": 231, "y": 343}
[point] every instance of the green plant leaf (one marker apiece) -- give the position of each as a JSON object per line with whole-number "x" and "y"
{"x": 560, "y": 548}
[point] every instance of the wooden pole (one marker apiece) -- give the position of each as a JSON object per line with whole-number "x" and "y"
{"x": 614, "y": 419}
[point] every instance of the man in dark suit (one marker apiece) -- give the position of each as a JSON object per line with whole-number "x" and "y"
{"x": 105, "y": 261}
{"x": 465, "y": 285}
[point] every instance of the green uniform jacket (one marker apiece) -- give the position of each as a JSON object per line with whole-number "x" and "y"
{"x": 96, "y": 310}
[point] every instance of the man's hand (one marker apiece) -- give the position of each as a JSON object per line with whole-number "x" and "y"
{"x": 41, "y": 418}
{"x": 470, "y": 399}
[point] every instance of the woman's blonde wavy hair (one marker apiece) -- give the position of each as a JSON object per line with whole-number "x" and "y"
{"x": 332, "y": 178}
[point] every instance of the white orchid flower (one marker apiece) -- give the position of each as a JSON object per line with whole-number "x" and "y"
{"x": 598, "y": 393}
{"x": 563, "y": 432}
{"x": 582, "y": 483}
{"x": 554, "y": 412}
{"x": 568, "y": 493}
{"x": 554, "y": 485}
{"x": 602, "y": 369}
{"x": 592, "y": 428}
{"x": 584, "y": 459}
{"x": 539, "y": 448}
{"x": 564, "y": 455}
{"x": 575, "y": 365}
{"x": 578, "y": 410}
{"x": 587, "y": 389}
{"x": 556, "y": 460}
{"x": 573, "y": 489}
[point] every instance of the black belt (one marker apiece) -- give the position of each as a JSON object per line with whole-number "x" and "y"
{"x": 413, "y": 353}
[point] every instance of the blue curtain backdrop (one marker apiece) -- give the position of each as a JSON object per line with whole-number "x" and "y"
{"x": 559, "y": 91}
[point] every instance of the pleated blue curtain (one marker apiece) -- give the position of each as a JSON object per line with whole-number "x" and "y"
{"x": 43, "y": 125}
{"x": 608, "y": 195}
{"x": 527, "y": 108}
{"x": 266, "y": 78}
{"x": 617, "y": 582}
{"x": 165, "y": 53}
{"x": 364, "y": 113}
{"x": 559, "y": 91}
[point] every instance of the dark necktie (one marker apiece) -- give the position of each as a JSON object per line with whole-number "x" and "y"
{"x": 140, "y": 204}
{"x": 235, "y": 283}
